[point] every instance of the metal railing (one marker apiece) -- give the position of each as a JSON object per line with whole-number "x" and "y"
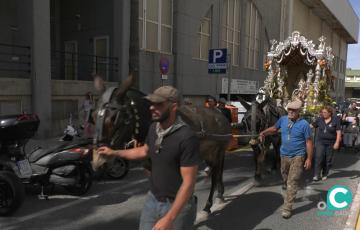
{"x": 80, "y": 66}
{"x": 15, "y": 60}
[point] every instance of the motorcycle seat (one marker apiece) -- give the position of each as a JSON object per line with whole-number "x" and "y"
{"x": 39, "y": 153}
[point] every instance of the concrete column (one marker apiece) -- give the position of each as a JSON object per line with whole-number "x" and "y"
{"x": 41, "y": 65}
{"x": 290, "y": 18}
{"x": 121, "y": 40}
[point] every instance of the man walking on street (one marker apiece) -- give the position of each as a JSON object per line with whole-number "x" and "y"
{"x": 296, "y": 146}
{"x": 174, "y": 152}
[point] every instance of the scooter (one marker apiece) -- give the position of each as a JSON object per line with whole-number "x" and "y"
{"x": 65, "y": 164}
{"x": 15, "y": 131}
{"x": 116, "y": 168}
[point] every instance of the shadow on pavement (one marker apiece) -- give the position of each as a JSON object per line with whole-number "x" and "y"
{"x": 244, "y": 212}
{"x": 352, "y": 174}
{"x": 130, "y": 222}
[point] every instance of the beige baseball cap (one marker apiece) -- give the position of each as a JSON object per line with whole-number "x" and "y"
{"x": 164, "y": 93}
{"x": 295, "y": 105}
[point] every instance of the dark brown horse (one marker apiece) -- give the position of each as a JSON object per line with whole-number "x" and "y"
{"x": 123, "y": 115}
{"x": 267, "y": 113}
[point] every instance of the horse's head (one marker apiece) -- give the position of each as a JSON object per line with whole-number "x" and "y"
{"x": 245, "y": 127}
{"x": 122, "y": 115}
{"x": 112, "y": 113}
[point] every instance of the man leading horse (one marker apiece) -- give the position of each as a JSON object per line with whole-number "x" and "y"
{"x": 174, "y": 152}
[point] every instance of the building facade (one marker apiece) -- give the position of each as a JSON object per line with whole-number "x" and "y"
{"x": 50, "y": 48}
{"x": 352, "y": 83}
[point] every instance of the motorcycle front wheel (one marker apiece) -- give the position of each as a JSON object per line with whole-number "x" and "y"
{"x": 117, "y": 168}
{"x": 12, "y": 193}
{"x": 83, "y": 176}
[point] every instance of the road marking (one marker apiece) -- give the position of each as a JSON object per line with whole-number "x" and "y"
{"x": 247, "y": 185}
{"x": 354, "y": 211}
{"x": 72, "y": 203}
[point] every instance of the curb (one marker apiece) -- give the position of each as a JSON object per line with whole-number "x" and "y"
{"x": 353, "y": 218}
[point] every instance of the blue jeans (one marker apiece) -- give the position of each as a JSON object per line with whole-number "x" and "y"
{"x": 154, "y": 210}
{"x": 324, "y": 155}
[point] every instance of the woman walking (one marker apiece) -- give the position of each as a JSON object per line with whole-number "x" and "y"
{"x": 328, "y": 139}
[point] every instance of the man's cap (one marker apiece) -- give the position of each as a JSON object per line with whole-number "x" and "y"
{"x": 164, "y": 93}
{"x": 222, "y": 101}
{"x": 295, "y": 105}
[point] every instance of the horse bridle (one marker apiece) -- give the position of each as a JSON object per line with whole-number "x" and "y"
{"x": 107, "y": 105}
{"x": 247, "y": 127}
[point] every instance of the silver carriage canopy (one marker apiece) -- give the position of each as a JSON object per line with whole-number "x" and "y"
{"x": 298, "y": 66}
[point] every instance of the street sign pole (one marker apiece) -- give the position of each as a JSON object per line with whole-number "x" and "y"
{"x": 164, "y": 64}
{"x": 229, "y": 77}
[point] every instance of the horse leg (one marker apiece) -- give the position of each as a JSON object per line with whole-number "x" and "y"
{"x": 257, "y": 152}
{"x": 276, "y": 161}
{"x": 209, "y": 202}
{"x": 220, "y": 182}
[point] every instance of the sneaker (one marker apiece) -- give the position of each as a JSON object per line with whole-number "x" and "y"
{"x": 315, "y": 178}
{"x": 286, "y": 214}
{"x": 324, "y": 178}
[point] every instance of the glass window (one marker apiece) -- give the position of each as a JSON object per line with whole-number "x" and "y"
{"x": 155, "y": 25}
{"x": 253, "y": 31}
{"x": 203, "y": 38}
{"x": 101, "y": 54}
{"x": 230, "y": 32}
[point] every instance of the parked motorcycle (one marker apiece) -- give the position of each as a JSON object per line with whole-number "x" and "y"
{"x": 65, "y": 164}
{"x": 15, "y": 131}
{"x": 12, "y": 193}
{"x": 116, "y": 168}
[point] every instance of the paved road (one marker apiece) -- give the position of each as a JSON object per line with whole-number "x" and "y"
{"x": 112, "y": 204}
{"x": 117, "y": 204}
{"x": 259, "y": 208}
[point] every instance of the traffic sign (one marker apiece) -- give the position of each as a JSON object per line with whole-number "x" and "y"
{"x": 217, "y": 61}
{"x": 164, "y": 65}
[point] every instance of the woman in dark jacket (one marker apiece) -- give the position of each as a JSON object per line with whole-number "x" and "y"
{"x": 328, "y": 137}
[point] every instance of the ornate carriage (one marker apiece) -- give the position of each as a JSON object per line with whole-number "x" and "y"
{"x": 298, "y": 66}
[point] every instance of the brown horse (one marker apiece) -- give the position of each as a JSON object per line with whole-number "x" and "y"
{"x": 123, "y": 115}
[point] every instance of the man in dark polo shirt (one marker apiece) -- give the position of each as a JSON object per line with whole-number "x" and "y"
{"x": 174, "y": 152}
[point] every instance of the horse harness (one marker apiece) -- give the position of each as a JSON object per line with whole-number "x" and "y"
{"x": 204, "y": 134}
{"x": 107, "y": 105}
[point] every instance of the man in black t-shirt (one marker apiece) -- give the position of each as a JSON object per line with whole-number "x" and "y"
{"x": 174, "y": 152}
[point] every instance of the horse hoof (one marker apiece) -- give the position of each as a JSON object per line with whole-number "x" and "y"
{"x": 202, "y": 216}
{"x": 219, "y": 200}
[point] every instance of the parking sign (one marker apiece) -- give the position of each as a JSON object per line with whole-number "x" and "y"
{"x": 217, "y": 61}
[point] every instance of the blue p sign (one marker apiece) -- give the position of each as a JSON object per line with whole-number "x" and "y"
{"x": 217, "y": 61}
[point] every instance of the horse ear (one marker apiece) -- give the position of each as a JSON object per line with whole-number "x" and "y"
{"x": 262, "y": 104}
{"x": 244, "y": 103}
{"x": 125, "y": 86}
